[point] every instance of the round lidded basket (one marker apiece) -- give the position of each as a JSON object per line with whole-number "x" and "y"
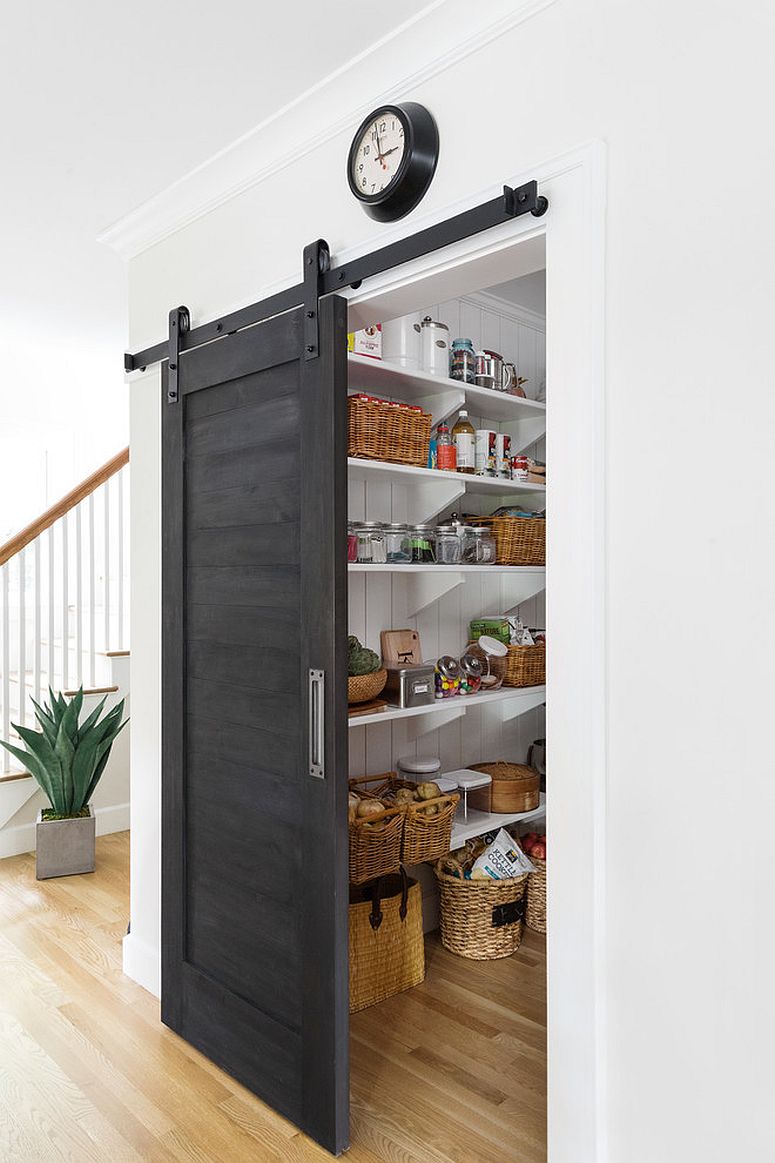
{"x": 515, "y": 788}
{"x": 535, "y": 915}
{"x": 481, "y": 919}
{"x": 361, "y": 688}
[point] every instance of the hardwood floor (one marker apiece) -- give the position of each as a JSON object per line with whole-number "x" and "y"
{"x": 454, "y": 1070}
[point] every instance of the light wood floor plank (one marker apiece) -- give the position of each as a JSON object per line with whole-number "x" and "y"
{"x": 451, "y": 1072}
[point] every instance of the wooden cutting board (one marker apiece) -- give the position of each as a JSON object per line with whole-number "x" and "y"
{"x": 373, "y": 707}
{"x": 400, "y": 647}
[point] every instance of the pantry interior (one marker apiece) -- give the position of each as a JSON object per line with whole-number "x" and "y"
{"x": 464, "y": 1052}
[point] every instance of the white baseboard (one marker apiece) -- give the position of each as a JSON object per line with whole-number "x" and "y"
{"x": 143, "y": 964}
{"x": 21, "y": 838}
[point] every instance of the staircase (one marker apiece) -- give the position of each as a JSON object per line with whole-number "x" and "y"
{"x": 64, "y": 610}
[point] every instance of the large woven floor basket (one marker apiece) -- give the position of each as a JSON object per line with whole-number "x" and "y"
{"x": 379, "y": 431}
{"x": 535, "y": 916}
{"x": 387, "y": 952}
{"x": 519, "y": 540}
{"x": 481, "y": 919}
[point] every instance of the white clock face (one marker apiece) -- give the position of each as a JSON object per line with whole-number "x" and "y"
{"x": 378, "y": 154}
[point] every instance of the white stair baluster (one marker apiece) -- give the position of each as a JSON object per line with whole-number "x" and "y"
{"x": 22, "y": 664}
{"x": 92, "y": 594}
{"x": 120, "y": 567}
{"x": 65, "y": 607}
{"x": 106, "y": 590}
{"x": 36, "y": 631}
{"x": 78, "y": 679}
{"x": 51, "y": 614}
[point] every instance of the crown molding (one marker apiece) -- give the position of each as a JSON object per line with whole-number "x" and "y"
{"x": 438, "y": 37}
{"x": 514, "y": 311}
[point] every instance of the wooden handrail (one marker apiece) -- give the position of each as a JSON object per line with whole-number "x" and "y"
{"x": 68, "y": 502}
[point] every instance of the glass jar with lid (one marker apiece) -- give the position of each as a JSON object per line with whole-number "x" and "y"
{"x": 479, "y": 546}
{"x": 398, "y": 549}
{"x": 462, "y": 361}
{"x": 371, "y": 542}
{"x": 352, "y": 543}
{"x": 422, "y": 541}
{"x": 449, "y": 547}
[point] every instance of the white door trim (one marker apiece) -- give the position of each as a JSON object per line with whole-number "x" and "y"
{"x": 574, "y": 233}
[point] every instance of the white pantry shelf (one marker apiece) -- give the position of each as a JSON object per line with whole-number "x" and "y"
{"x": 516, "y": 699}
{"x": 480, "y": 822}
{"x": 409, "y": 474}
{"x": 363, "y": 567}
{"x": 438, "y": 395}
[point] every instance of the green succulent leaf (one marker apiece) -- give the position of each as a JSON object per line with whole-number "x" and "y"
{"x": 91, "y": 719}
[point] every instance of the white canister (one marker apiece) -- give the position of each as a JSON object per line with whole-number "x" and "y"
{"x": 434, "y": 341}
{"x": 401, "y": 340}
{"x": 486, "y": 458}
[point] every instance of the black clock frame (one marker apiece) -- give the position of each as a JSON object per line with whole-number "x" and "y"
{"x": 418, "y": 165}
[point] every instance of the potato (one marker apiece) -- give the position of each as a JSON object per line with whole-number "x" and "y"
{"x": 428, "y": 791}
{"x": 369, "y": 808}
{"x": 404, "y": 795}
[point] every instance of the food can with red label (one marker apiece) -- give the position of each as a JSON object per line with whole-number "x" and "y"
{"x": 519, "y": 468}
{"x": 503, "y": 454}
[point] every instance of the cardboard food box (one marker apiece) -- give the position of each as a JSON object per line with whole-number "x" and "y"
{"x": 366, "y": 342}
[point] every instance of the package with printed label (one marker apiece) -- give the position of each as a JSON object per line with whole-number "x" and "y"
{"x": 366, "y": 342}
{"x": 501, "y": 859}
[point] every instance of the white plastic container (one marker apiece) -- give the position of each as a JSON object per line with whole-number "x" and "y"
{"x": 401, "y": 341}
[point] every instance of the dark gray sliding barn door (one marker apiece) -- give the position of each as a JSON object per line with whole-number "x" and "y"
{"x": 254, "y": 852}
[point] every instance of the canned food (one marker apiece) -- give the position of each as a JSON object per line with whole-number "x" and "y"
{"x": 503, "y": 454}
{"x": 519, "y": 468}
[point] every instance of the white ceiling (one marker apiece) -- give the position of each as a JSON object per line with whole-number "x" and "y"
{"x": 106, "y": 104}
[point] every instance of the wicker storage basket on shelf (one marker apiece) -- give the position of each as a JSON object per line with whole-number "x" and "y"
{"x": 481, "y": 919}
{"x": 525, "y": 666}
{"x": 361, "y": 688}
{"x": 515, "y": 788}
{"x": 425, "y": 836}
{"x": 383, "y": 432}
{"x": 519, "y": 540}
{"x": 375, "y": 851}
{"x": 535, "y": 915}
{"x": 387, "y": 952}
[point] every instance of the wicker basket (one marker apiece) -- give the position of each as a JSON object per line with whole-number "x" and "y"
{"x": 515, "y": 788}
{"x": 535, "y": 915}
{"x": 481, "y": 919}
{"x": 363, "y": 687}
{"x": 380, "y": 431}
{"x": 425, "y": 836}
{"x": 387, "y": 952}
{"x": 525, "y": 666}
{"x": 519, "y": 540}
{"x": 375, "y": 851}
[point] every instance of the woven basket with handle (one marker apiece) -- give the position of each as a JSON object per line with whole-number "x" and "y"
{"x": 481, "y": 919}
{"x": 525, "y": 666}
{"x": 387, "y": 952}
{"x": 378, "y": 431}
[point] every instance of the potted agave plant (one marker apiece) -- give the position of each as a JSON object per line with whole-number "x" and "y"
{"x": 67, "y": 759}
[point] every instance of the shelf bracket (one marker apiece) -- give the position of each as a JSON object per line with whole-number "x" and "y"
{"x": 429, "y": 498}
{"x": 519, "y": 587}
{"x": 513, "y": 708}
{"x": 421, "y": 725}
{"x": 525, "y": 431}
{"x": 442, "y": 404}
{"x": 423, "y": 589}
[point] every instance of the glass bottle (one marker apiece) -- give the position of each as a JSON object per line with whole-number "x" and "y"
{"x": 464, "y": 435}
{"x": 445, "y": 449}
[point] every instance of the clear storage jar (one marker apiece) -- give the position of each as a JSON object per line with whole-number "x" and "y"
{"x": 398, "y": 549}
{"x": 479, "y": 546}
{"x": 422, "y": 540}
{"x": 449, "y": 547}
{"x": 462, "y": 361}
{"x": 371, "y": 543}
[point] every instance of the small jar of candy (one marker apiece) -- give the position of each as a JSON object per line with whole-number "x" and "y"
{"x": 447, "y": 677}
{"x": 471, "y": 671}
{"x": 462, "y": 361}
{"x": 352, "y": 543}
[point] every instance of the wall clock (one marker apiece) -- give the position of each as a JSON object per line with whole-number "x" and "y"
{"x": 393, "y": 159}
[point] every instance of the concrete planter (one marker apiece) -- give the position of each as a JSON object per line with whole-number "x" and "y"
{"x": 64, "y": 847}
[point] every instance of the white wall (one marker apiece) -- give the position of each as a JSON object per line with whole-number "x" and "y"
{"x": 680, "y": 93}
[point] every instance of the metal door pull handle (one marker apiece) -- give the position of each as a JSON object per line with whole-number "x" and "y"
{"x": 317, "y": 723}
